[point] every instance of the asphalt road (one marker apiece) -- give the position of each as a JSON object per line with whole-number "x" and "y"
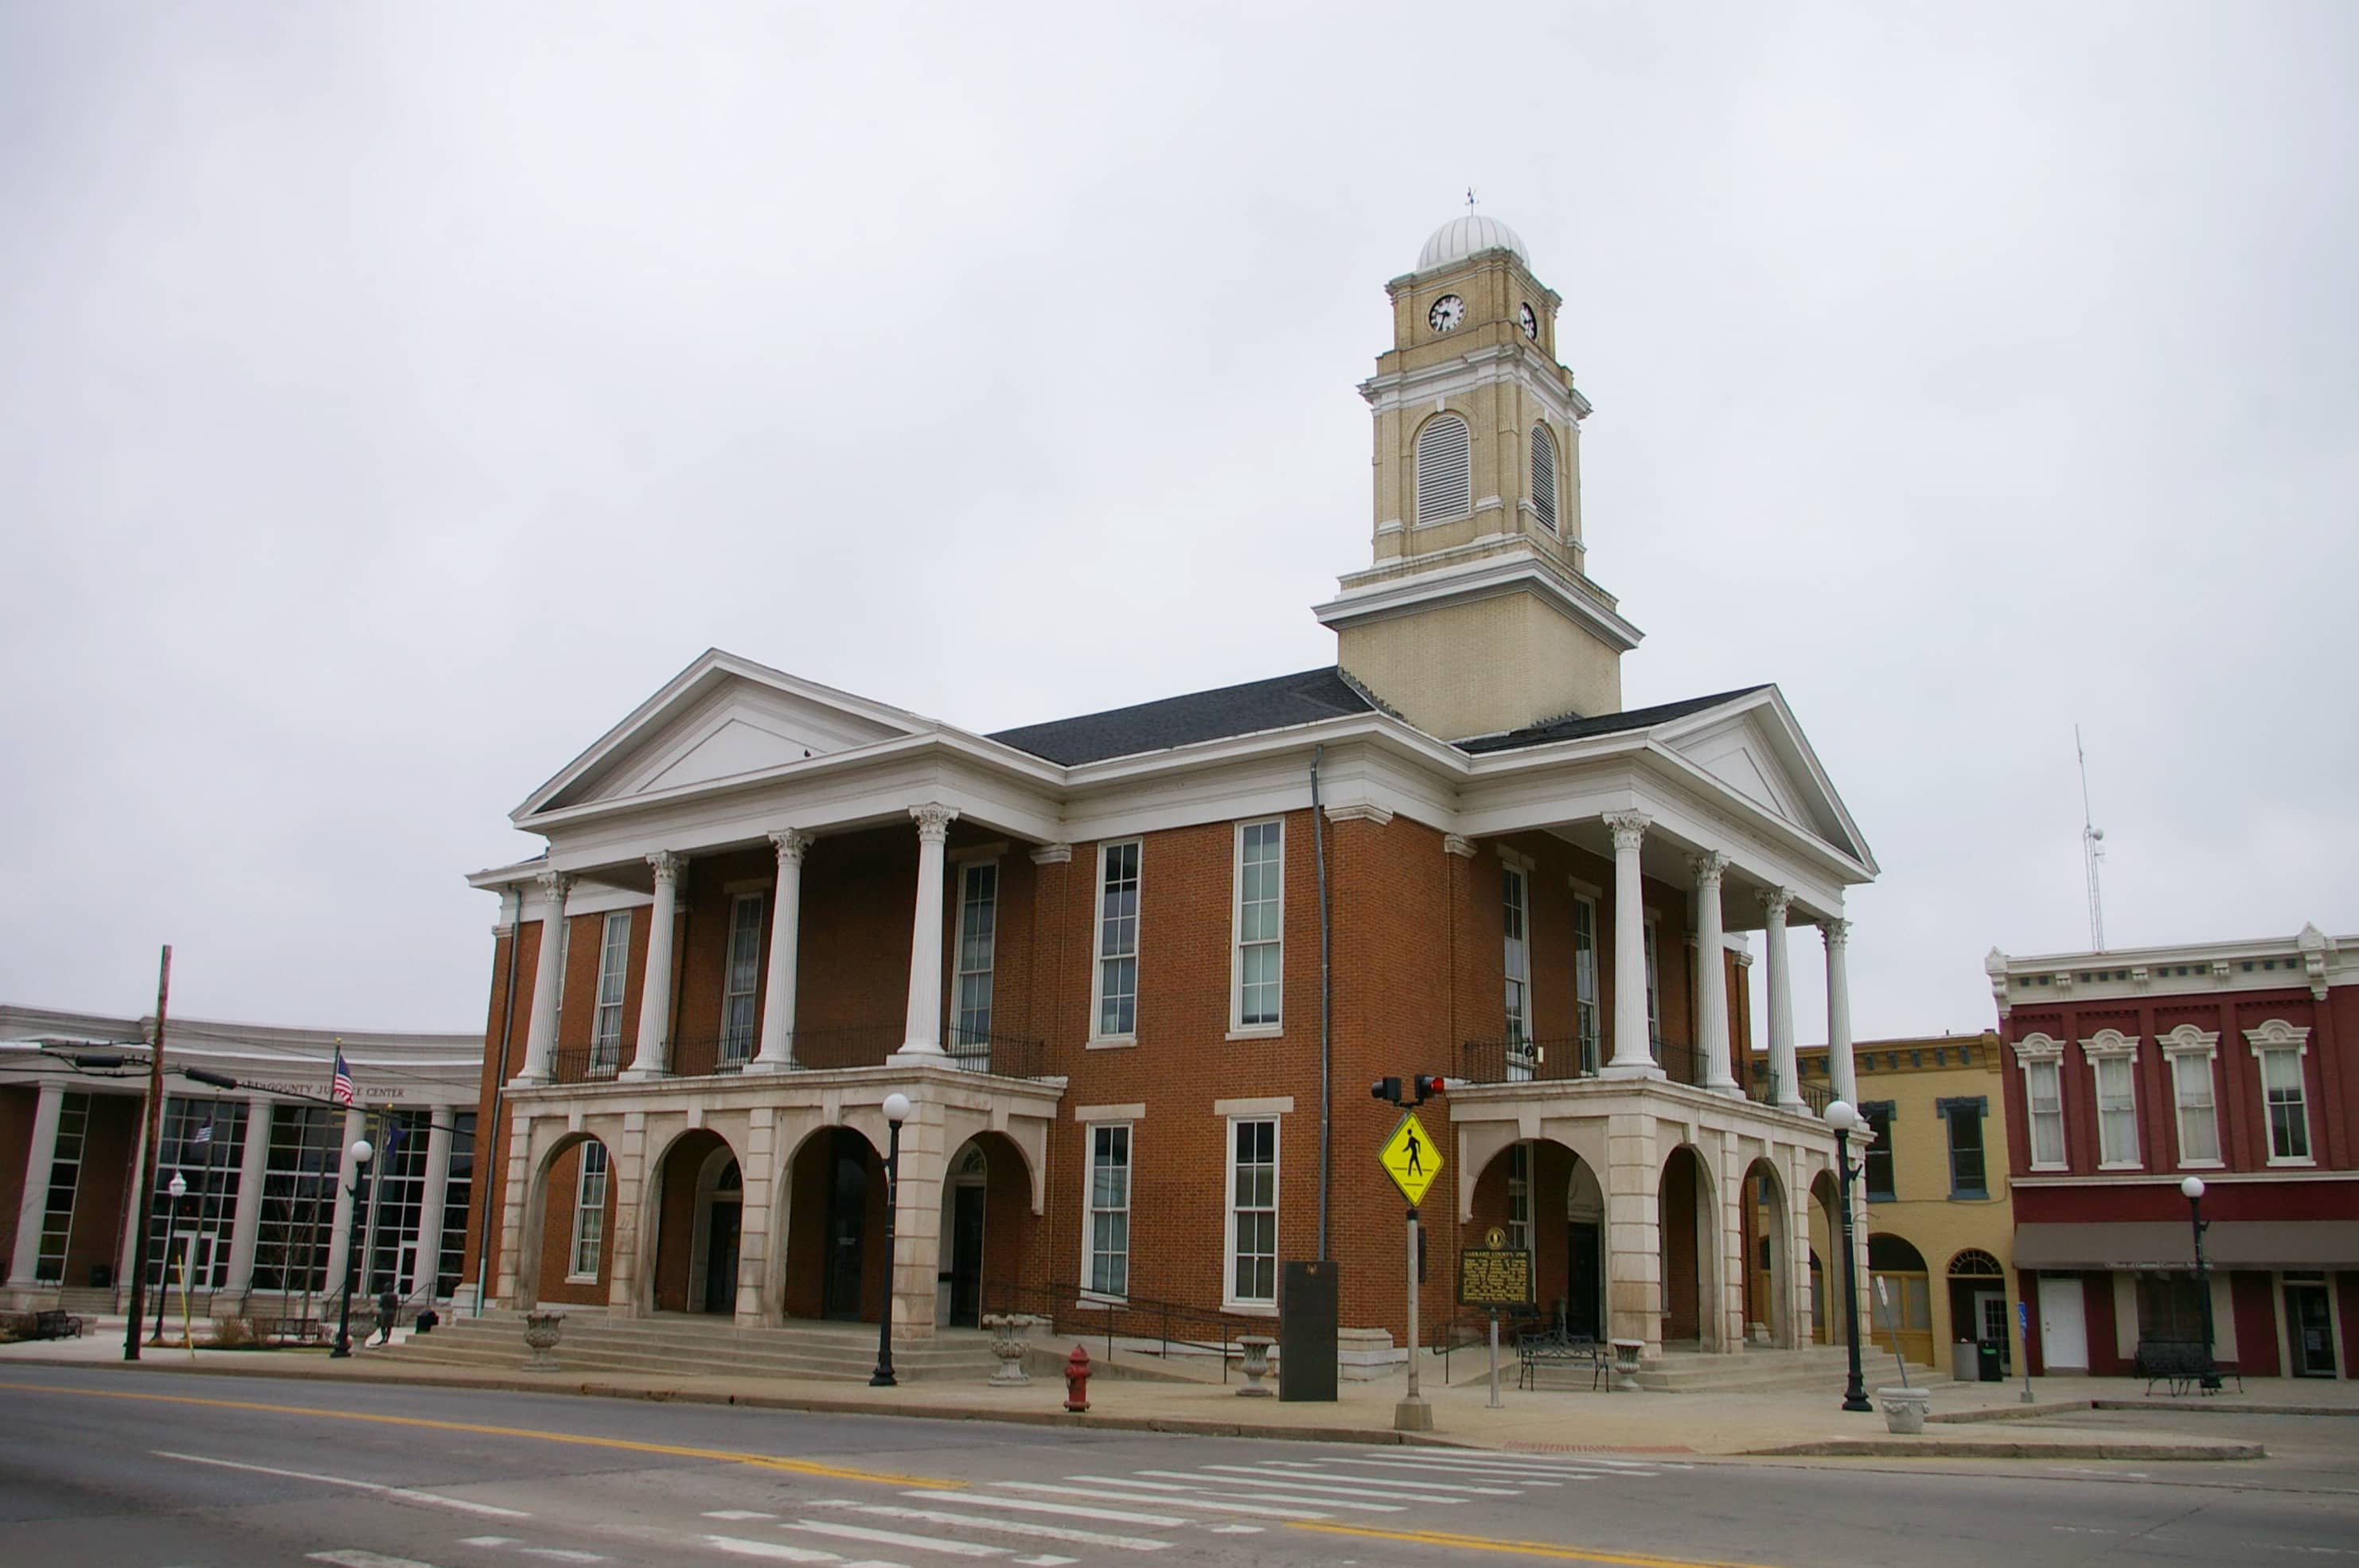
{"x": 127, "y": 1469}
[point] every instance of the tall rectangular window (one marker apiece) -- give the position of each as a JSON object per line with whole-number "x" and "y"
{"x": 2199, "y": 1114}
{"x": 65, "y": 1181}
{"x": 1584, "y": 979}
{"x": 1252, "y": 1212}
{"x": 456, "y": 1195}
{"x": 978, "y": 939}
{"x": 1109, "y": 1238}
{"x": 1878, "y": 1159}
{"x": 589, "y": 1214}
{"x": 613, "y": 970}
{"x": 2281, "y": 1086}
{"x": 1519, "y": 1195}
{"x": 298, "y": 1198}
{"x": 204, "y": 1145}
{"x": 1968, "y": 1178}
{"x": 2044, "y": 1093}
{"x": 1260, "y": 913}
{"x": 741, "y": 977}
{"x": 1654, "y": 999}
{"x": 1515, "y": 910}
{"x": 2117, "y": 1140}
{"x": 399, "y": 1201}
{"x": 1117, "y": 976}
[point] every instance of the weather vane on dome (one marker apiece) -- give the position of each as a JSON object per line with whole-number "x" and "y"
{"x": 1470, "y": 198}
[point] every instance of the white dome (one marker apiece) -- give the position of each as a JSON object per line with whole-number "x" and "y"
{"x": 1463, "y": 237}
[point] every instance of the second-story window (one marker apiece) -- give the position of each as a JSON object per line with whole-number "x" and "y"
{"x": 1654, "y": 997}
{"x": 743, "y": 981}
{"x": 1878, "y": 1159}
{"x": 2281, "y": 1086}
{"x": 1518, "y": 959}
{"x": 2199, "y": 1114}
{"x": 1967, "y": 1177}
{"x": 1585, "y": 978}
{"x": 2117, "y": 1140}
{"x": 978, "y": 926}
{"x": 1260, "y": 914}
{"x": 2043, "y": 1082}
{"x": 607, "y": 1023}
{"x": 1117, "y": 976}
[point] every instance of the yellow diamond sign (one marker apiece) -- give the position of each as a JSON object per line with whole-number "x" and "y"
{"x": 1411, "y": 1159}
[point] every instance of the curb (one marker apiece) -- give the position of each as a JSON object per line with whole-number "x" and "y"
{"x": 2224, "y": 1407}
{"x": 1861, "y": 1448}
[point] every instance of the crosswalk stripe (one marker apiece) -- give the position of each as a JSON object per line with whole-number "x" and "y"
{"x": 774, "y": 1550}
{"x": 1070, "y": 1510}
{"x": 1349, "y": 1486}
{"x": 736, "y": 1516}
{"x": 352, "y": 1557}
{"x": 1004, "y": 1526}
{"x": 1303, "y": 1467}
{"x": 1212, "y": 1482}
{"x": 1167, "y": 1500}
{"x": 1484, "y": 1472}
{"x": 1460, "y": 1460}
{"x": 409, "y": 1494}
{"x": 896, "y": 1537}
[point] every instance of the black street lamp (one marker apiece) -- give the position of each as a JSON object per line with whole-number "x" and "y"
{"x": 896, "y": 1111}
{"x": 2193, "y": 1187}
{"x": 1844, "y": 1120}
{"x": 355, "y": 1244}
{"x": 177, "y": 1189}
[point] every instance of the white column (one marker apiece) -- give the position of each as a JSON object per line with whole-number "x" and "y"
{"x": 133, "y": 1213}
{"x": 40, "y": 1156}
{"x": 1634, "y": 1053}
{"x": 1711, "y": 994}
{"x": 1782, "y": 1064}
{"x": 437, "y": 1188}
{"x": 548, "y": 977}
{"x": 653, "y": 1057}
{"x": 1837, "y": 931}
{"x": 924, "y": 1035}
{"x": 777, "y": 1052}
{"x": 339, "y": 1233}
{"x": 246, "y": 1219}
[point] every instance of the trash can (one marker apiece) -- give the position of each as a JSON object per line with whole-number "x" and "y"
{"x": 1990, "y": 1362}
{"x": 1962, "y": 1361}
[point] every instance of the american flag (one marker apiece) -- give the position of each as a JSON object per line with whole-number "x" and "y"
{"x": 340, "y": 1089}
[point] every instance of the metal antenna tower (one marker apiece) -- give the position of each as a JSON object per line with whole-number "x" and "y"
{"x": 2093, "y": 851}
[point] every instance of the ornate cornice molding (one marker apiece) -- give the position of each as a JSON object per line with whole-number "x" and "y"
{"x": 1052, "y": 854}
{"x": 1360, "y": 812}
{"x": 1458, "y": 844}
{"x": 2108, "y": 1043}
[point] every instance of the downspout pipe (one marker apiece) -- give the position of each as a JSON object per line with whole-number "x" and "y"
{"x": 1326, "y": 1006}
{"x": 488, "y": 1138}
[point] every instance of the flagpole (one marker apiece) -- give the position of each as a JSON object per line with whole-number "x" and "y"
{"x": 148, "y": 1156}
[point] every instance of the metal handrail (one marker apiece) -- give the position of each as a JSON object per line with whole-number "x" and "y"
{"x": 1070, "y": 1306}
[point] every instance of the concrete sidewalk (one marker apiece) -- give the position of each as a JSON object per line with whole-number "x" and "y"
{"x": 1969, "y": 1420}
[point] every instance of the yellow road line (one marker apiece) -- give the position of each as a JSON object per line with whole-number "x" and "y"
{"x": 731, "y": 1456}
{"x": 1524, "y": 1548}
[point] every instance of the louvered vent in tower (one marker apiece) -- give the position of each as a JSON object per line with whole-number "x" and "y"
{"x": 1544, "y": 477}
{"x": 1445, "y": 463}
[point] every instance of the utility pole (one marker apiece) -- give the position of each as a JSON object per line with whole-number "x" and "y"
{"x": 148, "y": 1160}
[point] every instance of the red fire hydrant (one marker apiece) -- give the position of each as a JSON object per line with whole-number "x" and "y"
{"x": 1077, "y": 1380}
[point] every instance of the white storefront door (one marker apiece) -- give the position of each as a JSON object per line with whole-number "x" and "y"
{"x": 2063, "y": 1327}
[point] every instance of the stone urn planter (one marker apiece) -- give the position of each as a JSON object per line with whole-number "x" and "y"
{"x": 540, "y": 1332}
{"x": 1253, "y": 1349}
{"x": 1904, "y": 1409}
{"x": 1010, "y": 1334}
{"x": 1626, "y": 1356}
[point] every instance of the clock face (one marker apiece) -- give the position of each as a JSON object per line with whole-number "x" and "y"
{"x": 1531, "y": 324}
{"x": 1447, "y": 312}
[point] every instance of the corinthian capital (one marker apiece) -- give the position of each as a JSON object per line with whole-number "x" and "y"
{"x": 1775, "y": 901}
{"x": 1708, "y": 867}
{"x": 933, "y": 821}
{"x": 554, "y": 886}
{"x": 667, "y": 864}
{"x": 1629, "y": 829}
{"x": 1836, "y": 930}
{"x": 791, "y": 846}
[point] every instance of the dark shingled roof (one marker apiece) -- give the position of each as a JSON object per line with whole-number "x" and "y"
{"x": 1577, "y": 728}
{"x": 1256, "y": 705}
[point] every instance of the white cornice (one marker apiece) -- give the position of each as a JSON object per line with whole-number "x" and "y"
{"x": 1477, "y": 368}
{"x": 1513, "y": 570}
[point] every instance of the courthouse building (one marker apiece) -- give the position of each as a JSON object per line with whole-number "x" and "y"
{"x": 2134, "y": 1069}
{"x": 263, "y": 1227}
{"x": 1136, "y": 970}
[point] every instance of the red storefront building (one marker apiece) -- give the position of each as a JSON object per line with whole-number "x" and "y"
{"x": 2131, "y": 1070}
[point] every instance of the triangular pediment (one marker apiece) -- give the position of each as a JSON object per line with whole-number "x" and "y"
{"x": 1753, "y": 748}
{"x": 721, "y": 718}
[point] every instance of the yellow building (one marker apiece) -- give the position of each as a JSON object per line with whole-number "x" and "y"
{"x": 1939, "y": 1221}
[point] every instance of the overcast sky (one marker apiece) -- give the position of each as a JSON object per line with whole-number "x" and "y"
{"x": 392, "y": 396}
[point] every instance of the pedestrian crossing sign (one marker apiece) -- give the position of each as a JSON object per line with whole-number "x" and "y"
{"x": 1411, "y": 1159}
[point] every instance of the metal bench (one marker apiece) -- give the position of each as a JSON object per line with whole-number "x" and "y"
{"x": 2182, "y": 1364}
{"x": 300, "y": 1330}
{"x": 1539, "y": 1349}
{"x": 56, "y": 1325}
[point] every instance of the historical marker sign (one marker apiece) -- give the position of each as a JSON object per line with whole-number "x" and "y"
{"x": 1411, "y": 1159}
{"x": 1495, "y": 1275}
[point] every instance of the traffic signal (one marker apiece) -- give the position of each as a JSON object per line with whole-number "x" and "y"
{"x": 1426, "y": 1084}
{"x": 1421, "y": 1087}
{"x": 1386, "y": 1089}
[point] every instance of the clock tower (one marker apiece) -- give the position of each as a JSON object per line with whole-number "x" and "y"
{"x": 1476, "y": 616}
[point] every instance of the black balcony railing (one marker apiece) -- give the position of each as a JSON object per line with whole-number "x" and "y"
{"x": 1761, "y": 1083}
{"x": 848, "y": 1045}
{"x": 1514, "y": 1061}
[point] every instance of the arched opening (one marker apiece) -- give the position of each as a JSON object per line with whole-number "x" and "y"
{"x": 1900, "y": 1297}
{"x": 835, "y": 1203}
{"x": 699, "y": 1203}
{"x": 1826, "y": 1259}
{"x": 1546, "y": 1199}
{"x": 1978, "y": 1308}
{"x": 1768, "y": 1256}
{"x": 1689, "y": 1251}
{"x": 986, "y": 1225}
{"x": 1544, "y": 477}
{"x": 564, "y": 1255}
{"x": 1444, "y": 470}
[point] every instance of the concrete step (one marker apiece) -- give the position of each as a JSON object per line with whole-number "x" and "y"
{"x": 685, "y": 1348}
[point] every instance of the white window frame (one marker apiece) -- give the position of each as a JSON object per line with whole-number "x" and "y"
{"x": 1587, "y": 1018}
{"x": 1091, "y": 1209}
{"x": 2279, "y": 1041}
{"x": 743, "y": 1046}
{"x": 2111, "y": 1048}
{"x": 2039, "y": 1056}
{"x": 1516, "y": 963}
{"x": 1519, "y": 1195}
{"x": 1230, "y": 1298}
{"x": 1100, "y": 957}
{"x": 1276, "y": 944}
{"x": 2183, "y": 1045}
{"x": 614, "y": 978}
{"x": 589, "y": 1214}
{"x": 963, "y": 973}
{"x": 1654, "y": 990}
